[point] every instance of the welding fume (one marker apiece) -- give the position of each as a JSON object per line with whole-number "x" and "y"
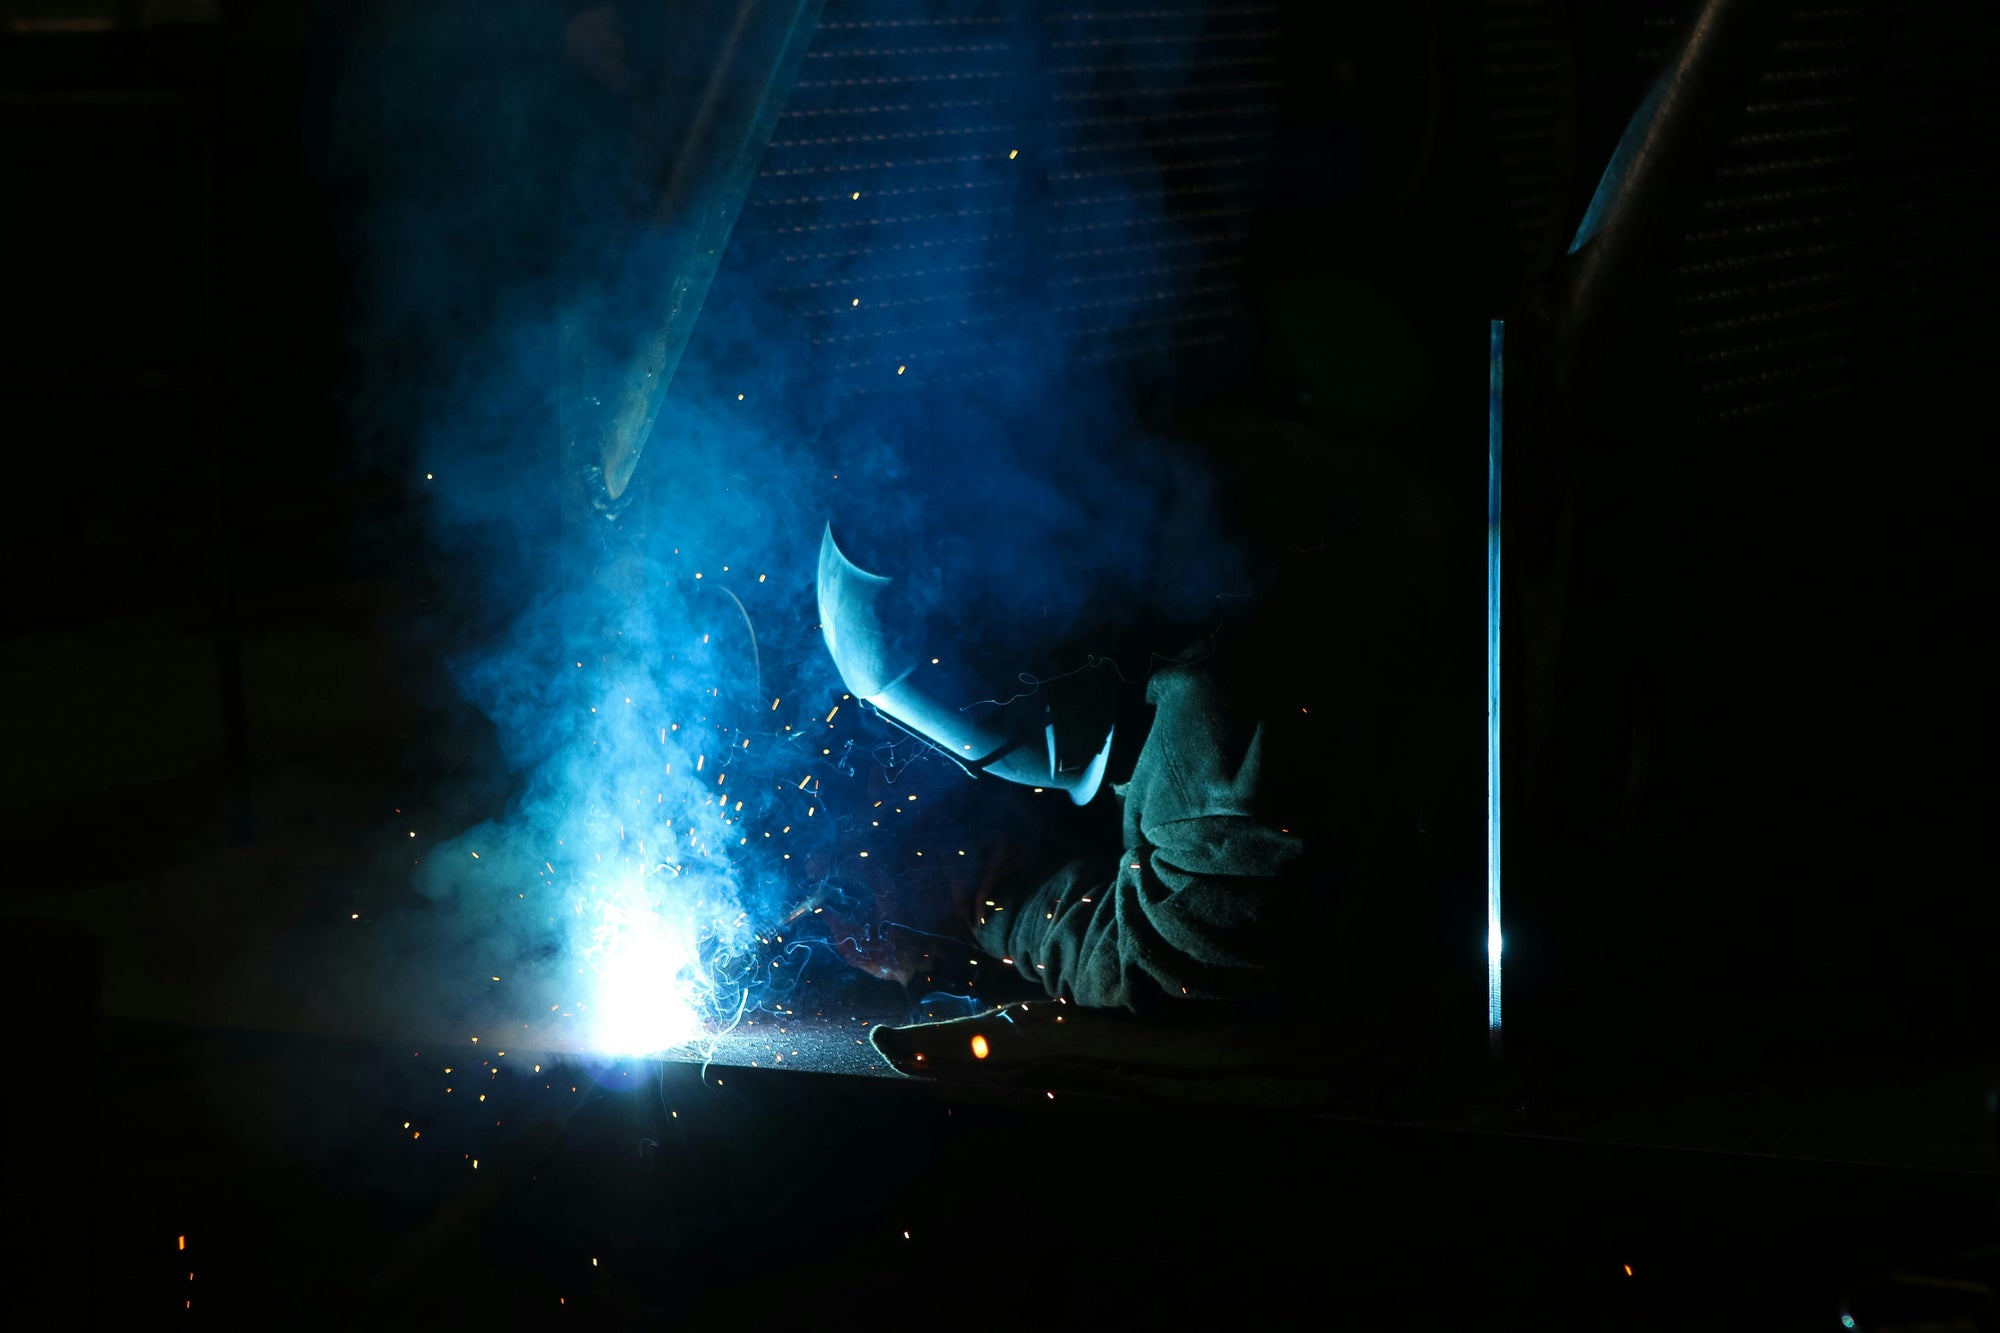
{"x": 1168, "y": 658}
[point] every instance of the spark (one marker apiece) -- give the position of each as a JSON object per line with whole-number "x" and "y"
{"x": 980, "y": 1048}
{"x": 901, "y": 369}
{"x": 1013, "y": 153}
{"x": 645, "y": 951}
{"x": 739, "y": 397}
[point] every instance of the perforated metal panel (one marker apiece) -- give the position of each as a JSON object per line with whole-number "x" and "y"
{"x": 948, "y": 192}
{"x": 1845, "y": 243}
{"x": 1164, "y": 119}
{"x": 1768, "y": 286}
{"x": 1525, "y": 113}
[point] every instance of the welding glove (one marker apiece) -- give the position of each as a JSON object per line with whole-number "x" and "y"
{"x": 1053, "y": 1048}
{"x": 1396, "y": 1052}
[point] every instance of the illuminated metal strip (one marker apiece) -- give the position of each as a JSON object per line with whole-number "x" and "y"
{"x": 1493, "y": 395}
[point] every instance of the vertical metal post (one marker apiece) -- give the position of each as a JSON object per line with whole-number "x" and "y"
{"x": 1493, "y": 396}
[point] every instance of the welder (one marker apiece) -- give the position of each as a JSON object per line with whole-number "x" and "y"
{"x": 1269, "y": 764}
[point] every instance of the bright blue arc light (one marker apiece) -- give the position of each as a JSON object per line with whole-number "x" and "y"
{"x": 1493, "y": 686}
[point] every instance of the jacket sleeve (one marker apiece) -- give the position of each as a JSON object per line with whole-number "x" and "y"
{"x": 1206, "y": 899}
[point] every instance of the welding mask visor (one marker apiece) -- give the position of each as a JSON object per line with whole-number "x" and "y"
{"x": 1051, "y": 732}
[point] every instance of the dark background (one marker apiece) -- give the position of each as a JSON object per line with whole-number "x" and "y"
{"x": 1747, "y": 907}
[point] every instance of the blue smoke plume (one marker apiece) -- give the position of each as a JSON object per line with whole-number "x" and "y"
{"x": 689, "y": 782}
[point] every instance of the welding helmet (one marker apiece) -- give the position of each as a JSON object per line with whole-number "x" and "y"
{"x": 1052, "y": 731}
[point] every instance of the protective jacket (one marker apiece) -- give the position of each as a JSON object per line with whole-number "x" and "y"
{"x": 1217, "y": 869}
{"x": 1275, "y": 842}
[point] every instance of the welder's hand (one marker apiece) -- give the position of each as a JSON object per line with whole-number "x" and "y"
{"x": 1002, "y": 1045}
{"x": 1048, "y": 1048}
{"x": 881, "y": 949}
{"x": 1048, "y": 1044}
{"x": 893, "y": 925}
{"x": 918, "y": 928}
